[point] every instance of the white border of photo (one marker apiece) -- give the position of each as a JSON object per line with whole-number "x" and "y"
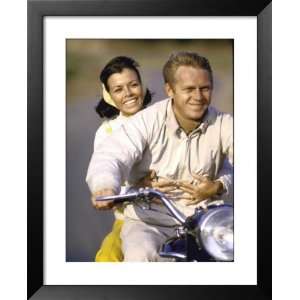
{"x": 244, "y": 268}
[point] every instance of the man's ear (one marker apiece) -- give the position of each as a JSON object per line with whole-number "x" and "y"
{"x": 169, "y": 91}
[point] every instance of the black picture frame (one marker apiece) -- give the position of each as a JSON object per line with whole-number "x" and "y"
{"x": 37, "y": 10}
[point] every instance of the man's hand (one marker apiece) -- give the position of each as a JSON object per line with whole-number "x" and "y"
{"x": 103, "y": 205}
{"x": 163, "y": 185}
{"x": 201, "y": 188}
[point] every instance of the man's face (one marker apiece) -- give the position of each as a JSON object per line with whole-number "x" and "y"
{"x": 191, "y": 92}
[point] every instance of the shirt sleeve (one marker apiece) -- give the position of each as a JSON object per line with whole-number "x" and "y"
{"x": 227, "y": 137}
{"x": 225, "y": 174}
{"x": 102, "y": 132}
{"x": 112, "y": 160}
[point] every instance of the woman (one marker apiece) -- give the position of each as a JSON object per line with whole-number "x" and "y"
{"x": 123, "y": 96}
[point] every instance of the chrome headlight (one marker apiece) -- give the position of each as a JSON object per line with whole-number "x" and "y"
{"x": 216, "y": 232}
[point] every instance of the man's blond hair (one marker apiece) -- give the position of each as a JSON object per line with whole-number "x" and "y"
{"x": 184, "y": 58}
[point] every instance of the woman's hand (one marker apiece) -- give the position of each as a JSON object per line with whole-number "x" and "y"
{"x": 201, "y": 188}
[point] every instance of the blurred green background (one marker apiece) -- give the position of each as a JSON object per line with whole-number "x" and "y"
{"x": 85, "y": 58}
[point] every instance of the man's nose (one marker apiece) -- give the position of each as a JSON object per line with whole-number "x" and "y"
{"x": 198, "y": 94}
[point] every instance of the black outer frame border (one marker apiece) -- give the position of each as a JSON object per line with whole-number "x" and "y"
{"x": 37, "y": 9}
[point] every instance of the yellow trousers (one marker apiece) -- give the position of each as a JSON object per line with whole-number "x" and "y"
{"x": 110, "y": 250}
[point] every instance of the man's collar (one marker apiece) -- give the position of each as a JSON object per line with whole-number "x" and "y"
{"x": 209, "y": 118}
{"x": 171, "y": 121}
{"x": 173, "y": 126}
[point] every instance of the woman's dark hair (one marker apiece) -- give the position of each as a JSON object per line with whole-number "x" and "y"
{"x": 116, "y": 65}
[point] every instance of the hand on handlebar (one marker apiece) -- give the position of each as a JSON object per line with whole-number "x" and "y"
{"x": 103, "y": 205}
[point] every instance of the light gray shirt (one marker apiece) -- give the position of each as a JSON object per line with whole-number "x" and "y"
{"x": 153, "y": 139}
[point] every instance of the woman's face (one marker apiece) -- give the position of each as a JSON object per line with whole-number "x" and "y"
{"x": 126, "y": 91}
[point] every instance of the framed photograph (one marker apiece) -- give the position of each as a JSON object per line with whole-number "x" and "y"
{"x": 69, "y": 44}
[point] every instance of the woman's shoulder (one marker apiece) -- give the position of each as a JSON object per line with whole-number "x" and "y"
{"x": 104, "y": 128}
{"x": 109, "y": 125}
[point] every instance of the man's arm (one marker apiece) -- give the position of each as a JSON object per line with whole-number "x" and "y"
{"x": 225, "y": 174}
{"x": 227, "y": 137}
{"x": 112, "y": 161}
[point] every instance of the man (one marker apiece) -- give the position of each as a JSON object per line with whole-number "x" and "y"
{"x": 183, "y": 139}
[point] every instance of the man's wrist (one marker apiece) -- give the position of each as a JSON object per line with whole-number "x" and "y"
{"x": 219, "y": 187}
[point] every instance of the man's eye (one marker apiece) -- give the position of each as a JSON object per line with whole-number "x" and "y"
{"x": 205, "y": 89}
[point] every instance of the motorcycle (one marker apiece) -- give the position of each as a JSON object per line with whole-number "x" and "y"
{"x": 207, "y": 235}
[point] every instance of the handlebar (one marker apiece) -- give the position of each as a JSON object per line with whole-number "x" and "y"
{"x": 146, "y": 194}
